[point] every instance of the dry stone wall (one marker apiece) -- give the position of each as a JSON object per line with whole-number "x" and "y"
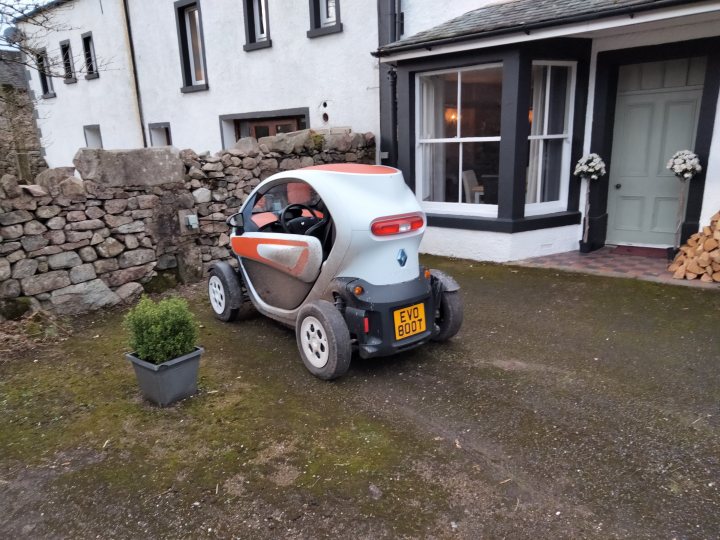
{"x": 98, "y": 234}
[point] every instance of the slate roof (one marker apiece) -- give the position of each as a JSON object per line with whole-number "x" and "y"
{"x": 12, "y": 72}
{"x": 521, "y": 15}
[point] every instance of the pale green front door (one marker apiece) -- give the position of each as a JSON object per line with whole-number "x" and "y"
{"x": 656, "y": 115}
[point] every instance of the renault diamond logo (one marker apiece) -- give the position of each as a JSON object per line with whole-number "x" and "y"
{"x": 402, "y": 257}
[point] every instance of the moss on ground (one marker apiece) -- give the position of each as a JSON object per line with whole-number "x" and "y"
{"x": 561, "y": 388}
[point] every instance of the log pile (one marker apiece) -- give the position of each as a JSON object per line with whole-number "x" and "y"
{"x": 699, "y": 258}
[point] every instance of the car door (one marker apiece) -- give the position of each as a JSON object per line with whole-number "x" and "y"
{"x": 281, "y": 268}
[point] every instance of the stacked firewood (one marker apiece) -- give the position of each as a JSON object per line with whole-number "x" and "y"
{"x": 699, "y": 258}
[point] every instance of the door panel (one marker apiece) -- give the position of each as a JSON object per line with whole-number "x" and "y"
{"x": 649, "y": 127}
{"x": 297, "y": 256}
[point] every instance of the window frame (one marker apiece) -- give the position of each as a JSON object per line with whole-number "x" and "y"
{"x": 190, "y": 83}
{"x": 549, "y": 207}
{"x": 253, "y": 39}
{"x": 91, "y": 67}
{"x": 99, "y": 132}
{"x": 68, "y": 62}
{"x": 450, "y": 208}
{"x": 160, "y": 125}
{"x": 319, "y": 26}
{"x": 46, "y": 84}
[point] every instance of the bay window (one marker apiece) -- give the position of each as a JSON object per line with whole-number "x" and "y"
{"x": 461, "y": 132}
{"x": 458, "y": 143}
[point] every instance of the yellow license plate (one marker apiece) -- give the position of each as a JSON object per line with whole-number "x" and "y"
{"x": 409, "y": 321}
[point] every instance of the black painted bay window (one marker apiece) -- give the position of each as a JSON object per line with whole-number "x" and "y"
{"x": 488, "y": 145}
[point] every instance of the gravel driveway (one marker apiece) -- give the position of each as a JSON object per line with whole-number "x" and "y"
{"x": 569, "y": 406}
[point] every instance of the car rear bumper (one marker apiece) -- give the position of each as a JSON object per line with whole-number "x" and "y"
{"x": 378, "y": 304}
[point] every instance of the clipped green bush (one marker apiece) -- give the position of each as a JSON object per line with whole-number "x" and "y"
{"x": 161, "y": 331}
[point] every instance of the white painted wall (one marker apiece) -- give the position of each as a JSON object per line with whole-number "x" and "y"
{"x": 295, "y": 72}
{"x": 499, "y": 247}
{"x": 108, "y": 100}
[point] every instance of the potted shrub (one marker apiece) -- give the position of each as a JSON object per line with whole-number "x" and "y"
{"x": 590, "y": 167}
{"x": 162, "y": 337}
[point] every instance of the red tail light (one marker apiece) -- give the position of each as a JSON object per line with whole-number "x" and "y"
{"x": 387, "y": 226}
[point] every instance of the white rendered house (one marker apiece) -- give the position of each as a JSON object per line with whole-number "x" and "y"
{"x": 484, "y": 105}
{"x": 202, "y": 73}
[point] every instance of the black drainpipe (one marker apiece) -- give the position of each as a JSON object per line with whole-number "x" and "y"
{"x": 135, "y": 73}
{"x": 393, "y": 157}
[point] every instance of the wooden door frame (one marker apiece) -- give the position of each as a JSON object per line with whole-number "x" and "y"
{"x": 606, "y": 82}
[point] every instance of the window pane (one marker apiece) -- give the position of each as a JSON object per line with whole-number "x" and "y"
{"x": 195, "y": 45}
{"x": 441, "y": 164}
{"x": 438, "y": 108}
{"x": 480, "y": 165}
{"x": 327, "y": 12}
{"x": 551, "y": 168}
{"x": 67, "y": 61}
{"x": 481, "y": 96}
{"x": 261, "y": 131}
{"x": 544, "y": 170}
{"x": 557, "y": 117}
{"x": 536, "y": 116}
{"x": 89, "y": 60}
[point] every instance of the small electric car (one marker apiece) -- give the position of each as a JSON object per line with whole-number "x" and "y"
{"x": 332, "y": 251}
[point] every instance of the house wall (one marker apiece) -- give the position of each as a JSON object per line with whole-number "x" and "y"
{"x": 108, "y": 101}
{"x": 296, "y": 72}
{"x": 499, "y": 247}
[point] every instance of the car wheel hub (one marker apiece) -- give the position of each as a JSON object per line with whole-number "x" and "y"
{"x": 216, "y": 291}
{"x": 314, "y": 341}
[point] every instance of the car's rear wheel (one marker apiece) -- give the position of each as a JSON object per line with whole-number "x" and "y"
{"x": 219, "y": 293}
{"x": 323, "y": 340}
{"x": 449, "y": 315}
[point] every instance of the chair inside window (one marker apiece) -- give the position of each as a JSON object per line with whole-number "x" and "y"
{"x": 474, "y": 191}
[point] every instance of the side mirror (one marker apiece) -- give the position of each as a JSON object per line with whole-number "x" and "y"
{"x": 236, "y": 221}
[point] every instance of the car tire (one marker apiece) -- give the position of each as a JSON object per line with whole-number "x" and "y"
{"x": 221, "y": 295}
{"x": 323, "y": 340}
{"x": 449, "y": 317}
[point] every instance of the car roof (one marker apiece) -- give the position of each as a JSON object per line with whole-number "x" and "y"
{"x": 352, "y": 168}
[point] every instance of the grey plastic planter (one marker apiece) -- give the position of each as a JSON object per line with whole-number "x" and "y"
{"x": 170, "y": 381}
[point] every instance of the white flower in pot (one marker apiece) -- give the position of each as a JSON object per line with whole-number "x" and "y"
{"x": 591, "y": 167}
{"x": 685, "y": 164}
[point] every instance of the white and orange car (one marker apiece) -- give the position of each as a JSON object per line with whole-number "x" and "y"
{"x": 332, "y": 251}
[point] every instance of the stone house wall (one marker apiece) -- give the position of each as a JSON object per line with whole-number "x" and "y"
{"x": 72, "y": 244}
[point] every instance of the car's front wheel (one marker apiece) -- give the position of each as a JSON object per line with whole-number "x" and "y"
{"x": 323, "y": 340}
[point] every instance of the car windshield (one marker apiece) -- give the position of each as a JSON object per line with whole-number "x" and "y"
{"x": 280, "y": 195}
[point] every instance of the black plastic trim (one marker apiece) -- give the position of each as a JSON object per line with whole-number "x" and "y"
{"x": 531, "y": 223}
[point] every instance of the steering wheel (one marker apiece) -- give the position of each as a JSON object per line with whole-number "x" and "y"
{"x": 294, "y": 206}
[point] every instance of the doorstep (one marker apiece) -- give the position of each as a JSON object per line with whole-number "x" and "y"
{"x": 615, "y": 261}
